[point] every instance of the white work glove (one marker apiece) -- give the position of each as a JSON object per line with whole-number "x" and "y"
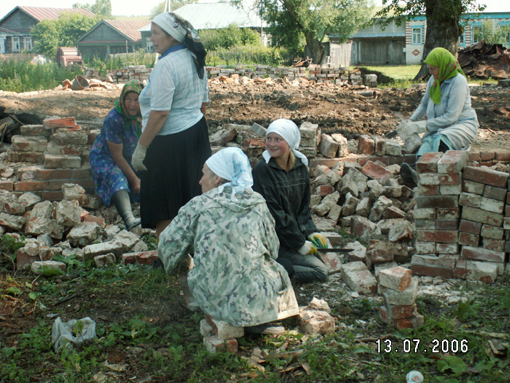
{"x": 308, "y": 249}
{"x": 138, "y": 157}
{"x": 318, "y": 240}
{"x": 407, "y": 128}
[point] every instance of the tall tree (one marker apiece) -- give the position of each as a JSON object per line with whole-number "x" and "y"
{"x": 444, "y": 24}
{"x": 290, "y": 19}
{"x": 102, "y": 8}
{"x": 158, "y": 9}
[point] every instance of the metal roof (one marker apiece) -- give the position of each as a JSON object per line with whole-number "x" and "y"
{"x": 217, "y": 15}
{"x": 48, "y": 13}
{"x": 128, "y": 28}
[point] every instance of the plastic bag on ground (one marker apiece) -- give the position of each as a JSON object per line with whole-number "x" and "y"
{"x": 73, "y": 333}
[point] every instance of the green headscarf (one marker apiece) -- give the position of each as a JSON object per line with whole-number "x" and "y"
{"x": 120, "y": 105}
{"x": 448, "y": 67}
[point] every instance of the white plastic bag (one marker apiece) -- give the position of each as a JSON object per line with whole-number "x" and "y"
{"x": 73, "y": 333}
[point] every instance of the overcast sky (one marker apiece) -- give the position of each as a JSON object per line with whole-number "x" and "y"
{"x": 144, "y": 7}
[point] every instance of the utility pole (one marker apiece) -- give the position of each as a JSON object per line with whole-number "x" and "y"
{"x": 167, "y": 6}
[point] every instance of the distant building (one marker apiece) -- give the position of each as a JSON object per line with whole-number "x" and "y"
{"x": 16, "y": 25}
{"x": 111, "y": 37}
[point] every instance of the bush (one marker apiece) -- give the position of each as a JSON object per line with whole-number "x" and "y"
{"x": 118, "y": 61}
{"x": 247, "y": 54}
{"x": 226, "y": 38}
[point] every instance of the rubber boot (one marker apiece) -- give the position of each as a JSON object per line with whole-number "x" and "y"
{"x": 123, "y": 205}
{"x": 409, "y": 175}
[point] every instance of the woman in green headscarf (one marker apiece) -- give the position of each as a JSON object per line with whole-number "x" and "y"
{"x": 451, "y": 122}
{"x": 110, "y": 156}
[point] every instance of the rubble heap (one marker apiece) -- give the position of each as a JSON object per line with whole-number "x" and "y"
{"x": 485, "y": 60}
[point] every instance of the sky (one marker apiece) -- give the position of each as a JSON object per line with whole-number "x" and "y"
{"x": 144, "y": 7}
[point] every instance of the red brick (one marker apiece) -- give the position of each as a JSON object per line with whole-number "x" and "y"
{"x": 53, "y": 174}
{"x": 474, "y": 156}
{"x": 30, "y": 185}
{"x": 428, "y": 162}
{"x": 81, "y": 174}
{"x": 478, "y": 215}
{"x": 507, "y": 210}
{"x": 410, "y": 159}
{"x": 502, "y": 155}
{"x": 33, "y": 157}
{"x": 51, "y": 195}
{"x": 444, "y": 236}
{"x": 374, "y": 170}
{"x": 89, "y": 184}
{"x": 440, "y": 201}
{"x": 453, "y": 161}
{"x": 6, "y": 185}
{"x": 493, "y": 232}
{"x": 324, "y": 190}
{"x": 376, "y": 256}
{"x": 432, "y": 266}
{"x": 495, "y": 193}
{"x": 452, "y": 213}
{"x": 93, "y": 135}
{"x": 467, "y": 239}
{"x": 366, "y": 145}
{"x": 329, "y": 162}
{"x": 144, "y": 258}
{"x": 254, "y": 143}
{"x": 428, "y": 190}
{"x": 439, "y": 179}
{"x": 465, "y": 270}
{"x": 57, "y": 122}
{"x": 487, "y": 156}
{"x": 487, "y": 164}
{"x": 56, "y": 185}
{"x": 480, "y": 254}
{"x": 394, "y": 160}
{"x": 473, "y": 187}
{"x": 90, "y": 218}
{"x": 392, "y": 212}
{"x": 447, "y": 224}
{"x": 398, "y": 312}
{"x": 470, "y": 227}
{"x": 486, "y": 176}
{"x": 494, "y": 244}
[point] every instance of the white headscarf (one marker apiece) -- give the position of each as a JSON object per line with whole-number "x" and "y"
{"x": 290, "y": 133}
{"x": 232, "y": 165}
{"x": 170, "y": 25}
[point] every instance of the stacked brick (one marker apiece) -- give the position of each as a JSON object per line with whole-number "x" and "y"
{"x": 437, "y": 216}
{"x": 482, "y": 231}
{"x": 219, "y": 335}
{"x": 57, "y": 149}
{"x": 128, "y": 73}
{"x": 327, "y": 73}
{"x": 399, "y": 291}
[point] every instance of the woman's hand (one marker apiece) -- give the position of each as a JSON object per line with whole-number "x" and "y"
{"x": 138, "y": 157}
{"x": 135, "y": 185}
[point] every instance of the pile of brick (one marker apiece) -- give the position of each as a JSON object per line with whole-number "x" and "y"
{"x": 326, "y": 73}
{"x": 128, "y": 73}
{"x": 59, "y": 150}
{"x": 399, "y": 291}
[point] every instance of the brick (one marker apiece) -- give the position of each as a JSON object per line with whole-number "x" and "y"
{"x": 224, "y": 330}
{"x": 425, "y": 247}
{"x": 447, "y": 248}
{"x": 33, "y": 157}
{"x": 143, "y": 258}
{"x": 470, "y": 227}
{"x": 29, "y": 144}
{"x": 53, "y": 174}
{"x": 396, "y": 278}
{"x": 70, "y": 138}
{"x": 425, "y": 190}
{"x": 61, "y": 161}
{"x": 34, "y": 130}
{"x": 492, "y": 205}
{"x": 81, "y": 174}
{"x": 452, "y": 213}
{"x": 392, "y": 212}
{"x": 443, "y": 236}
{"x": 328, "y": 146}
{"x": 473, "y": 187}
{"x": 366, "y": 145}
{"x": 398, "y": 312}
{"x": 470, "y": 199}
{"x": 487, "y": 156}
{"x": 377, "y": 256}
{"x": 495, "y": 193}
{"x": 486, "y": 176}
{"x": 425, "y": 224}
{"x": 357, "y": 276}
{"x": 481, "y": 254}
{"x": 493, "y": 232}
{"x": 478, "y": 215}
{"x": 448, "y": 202}
{"x": 494, "y": 244}
{"x": 400, "y": 298}
{"x": 436, "y": 179}
{"x": 215, "y": 345}
{"x": 6, "y": 185}
{"x": 72, "y": 150}
{"x": 410, "y": 322}
{"x": 324, "y": 190}
{"x": 450, "y": 189}
{"x": 502, "y": 155}
{"x": 428, "y": 162}
{"x": 51, "y": 195}
{"x": 315, "y": 322}
{"x": 476, "y": 271}
{"x": 508, "y": 198}
{"x": 467, "y": 239}
{"x": 453, "y": 161}
{"x": 506, "y": 223}
{"x": 475, "y": 157}
{"x": 429, "y": 213}
{"x": 447, "y": 224}
{"x": 30, "y": 185}
{"x": 507, "y": 211}
{"x": 375, "y": 171}
{"x": 57, "y": 122}
{"x": 432, "y": 266}
{"x": 93, "y": 135}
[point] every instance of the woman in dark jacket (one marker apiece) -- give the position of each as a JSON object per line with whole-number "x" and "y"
{"x": 285, "y": 184}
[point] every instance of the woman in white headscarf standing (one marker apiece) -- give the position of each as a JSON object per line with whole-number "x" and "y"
{"x": 174, "y": 143}
{"x": 231, "y": 233}
{"x": 282, "y": 178}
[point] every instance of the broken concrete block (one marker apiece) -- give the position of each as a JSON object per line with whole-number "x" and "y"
{"x": 39, "y": 267}
{"x": 128, "y": 239}
{"x": 67, "y": 213}
{"x": 354, "y": 176}
{"x": 397, "y": 278}
{"x": 12, "y": 222}
{"x": 9, "y": 203}
{"x": 115, "y": 247}
{"x": 42, "y": 225}
{"x": 45, "y": 240}
{"x": 140, "y": 247}
{"x": 378, "y": 209}
{"x": 412, "y": 144}
{"x": 392, "y": 148}
{"x": 104, "y": 260}
{"x": 29, "y": 199}
{"x": 84, "y": 234}
{"x": 43, "y": 209}
{"x": 357, "y": 276}
{"x": 27, "y": 254}
{"x": 401, "y": 231}
{"x": 314, "y": 322}
{"x": 215, "y": 345}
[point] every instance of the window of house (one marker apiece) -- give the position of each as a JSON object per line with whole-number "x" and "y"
{"x": 150, "y": 46}
{"x": 16, "y": 47}
{"x": 27, "y": 43}
{"x": 417, "y": 35}
{"x": 462, "y": 39}
{"x": 476, "y": 32}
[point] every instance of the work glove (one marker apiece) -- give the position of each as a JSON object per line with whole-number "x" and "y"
{"x": 308, "y": 249}
{"x": 407, "y": 128}
{"x": 138, "y": 157}
{"x": 318, "y": 240}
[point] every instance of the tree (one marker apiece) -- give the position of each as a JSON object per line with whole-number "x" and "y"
{"x": 48, "y": 35}
{"x": 492, "y": 33}
{"x": 158, "y": 9}
{"x": 102, "y": 8}
{"x": 228, "y": 37}
{"x": 444, "y": 24}
{"x": 289, "y": 20}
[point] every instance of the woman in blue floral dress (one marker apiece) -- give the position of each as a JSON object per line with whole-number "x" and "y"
{"x": 110, "y": 156}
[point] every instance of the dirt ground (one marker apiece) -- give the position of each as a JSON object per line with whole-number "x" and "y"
{"x": 336, "y": 109}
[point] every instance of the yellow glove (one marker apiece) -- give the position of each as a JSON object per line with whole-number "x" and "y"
{"x": 308, "y": 249}
{"x": 319, "y": 240}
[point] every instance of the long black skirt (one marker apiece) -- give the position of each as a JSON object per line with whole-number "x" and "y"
{"x": 174, "y": 167}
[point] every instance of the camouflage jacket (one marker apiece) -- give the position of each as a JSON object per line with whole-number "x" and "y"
{"x": 235, "y": 278}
